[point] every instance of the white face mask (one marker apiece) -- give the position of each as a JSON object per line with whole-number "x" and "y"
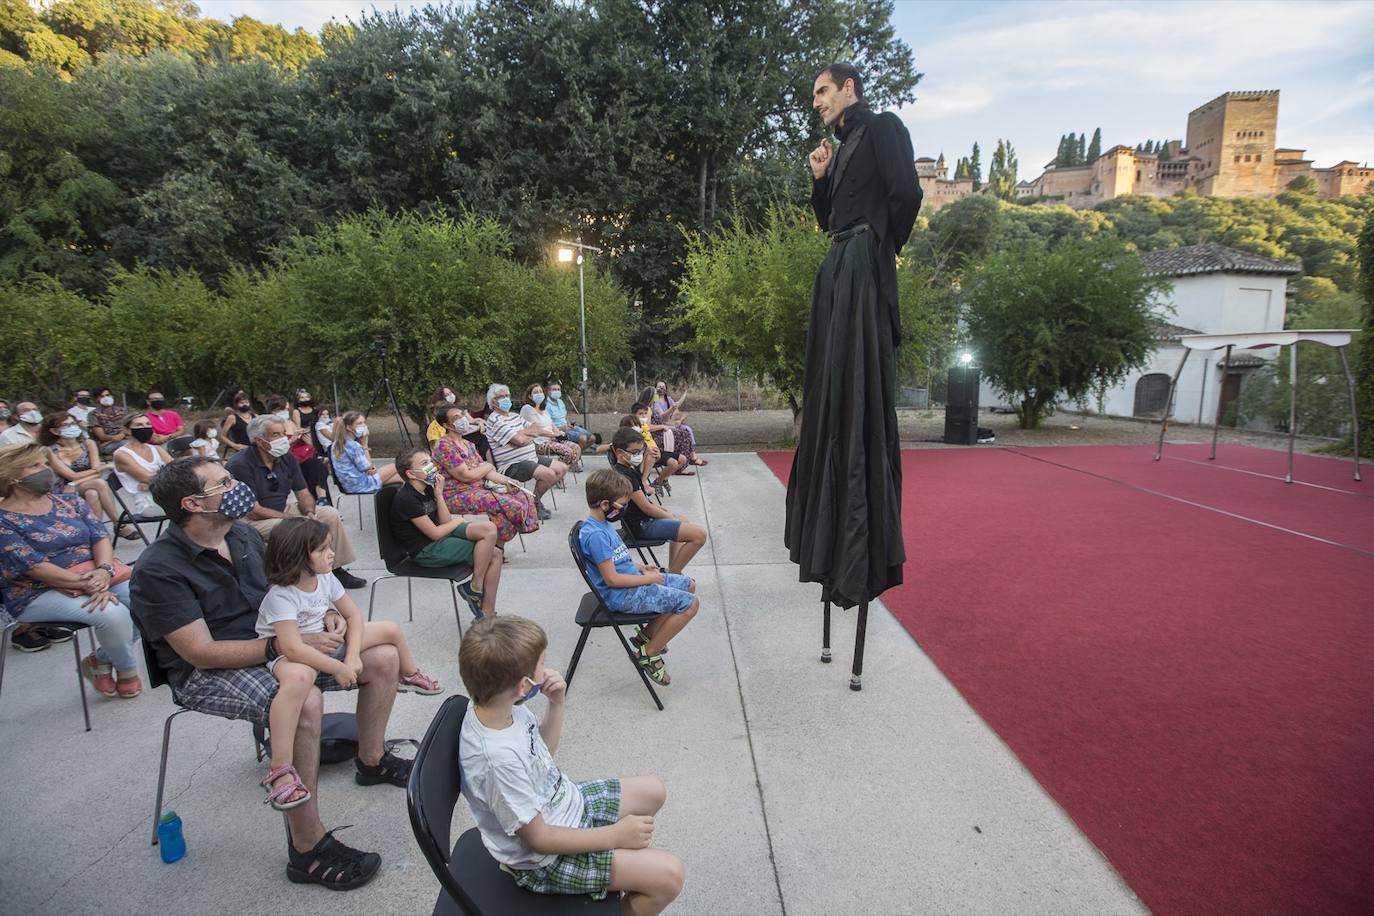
{"x": 464, "y": 425}
{"x": 325, "y": 423}
{"x": 31, "y": 416}
{"x": 282, "y": 415}
{"x": 450, "y": 397}
{"x": 279, "y": 447}
{"x": 70, "y": 432}
{"x": 212, "y": 434}
{"x": 360, "y": 432}
{"x": 107, "y": 401}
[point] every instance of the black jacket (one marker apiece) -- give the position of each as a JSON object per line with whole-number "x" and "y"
{"x": 871, "y": 178}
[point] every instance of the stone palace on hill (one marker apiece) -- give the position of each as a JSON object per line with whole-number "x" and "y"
{"x": 1229, "y": 151}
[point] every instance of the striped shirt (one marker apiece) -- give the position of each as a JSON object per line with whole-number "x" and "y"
{"x": 500, "y": 430}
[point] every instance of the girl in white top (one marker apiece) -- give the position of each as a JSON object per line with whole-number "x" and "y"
{"x": 298, "y": 563}
{"x": 135, "y": 464}
{"x": 206, "y": 442}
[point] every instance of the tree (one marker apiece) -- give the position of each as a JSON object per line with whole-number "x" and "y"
{"x": 1052, "y": 323}
{"x": 975, "y": 165}
{"x": 1364, "y": 359}
{"x": 1095, "y": 147}
{"x": 1081, "y": 150}
{"x": 1002, "y": 172}
{"x": 1303, "y": 184}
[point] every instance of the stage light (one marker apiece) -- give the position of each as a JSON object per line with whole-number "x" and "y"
{"x": 565, "y": 255}
{"x": 966, "y": 358}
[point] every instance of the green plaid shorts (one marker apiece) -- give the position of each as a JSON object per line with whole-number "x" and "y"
{"x": 588, "y": 872}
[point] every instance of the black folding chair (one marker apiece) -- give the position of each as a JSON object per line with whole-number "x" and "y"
{"x": 642, "y": 544}
{"x": 128, "y": 518}
{"x": 470, "y": 880}
{"x": 9, "y": 625}
{"x": 592, "y": 613}
{"x": 400, "y": 566}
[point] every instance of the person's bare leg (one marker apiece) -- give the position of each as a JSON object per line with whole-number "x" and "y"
{"x": 650, "y": 878}
{"x": 672, "y": 556}
{"x": 98, "y": 495}
{"x": 641, "y": 795}
{"x": 388, "y": 633}
{"x": 483, "y": 537}
{"x": 543, "y": 479}
{"x": 388, "y": 474}
{"x": 670, "y": 626}
{"x": 295, "y": 683}
{"x": 377, "y": 693}
{"x": 306, "y": 828}
{"x": 490, "y": 583}
{"x": 691, "y": 538}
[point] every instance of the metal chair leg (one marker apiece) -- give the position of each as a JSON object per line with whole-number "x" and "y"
{"x": 410, "y": 602}
{"x": 80, "y": 679}
{"x": 634, "y": 660}
{"x": 523, "y": 548}
{"x": 162, "y": 769}
{"x": 577, "y": 654}
{"x": 5, "y": 651}
{"x": 457, "y": 615}
{"x": 856, "y": 679}
{"x": 372, "y": 592}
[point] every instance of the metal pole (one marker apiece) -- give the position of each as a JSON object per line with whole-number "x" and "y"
{"x": 739, "y": 395}
{"x": 582, "y": 313}
{"x": 1292, "y": 405}
{"x": 1169, "y": 402}
{"x": 825, "y": 635}
{"x": 1354, "y": 410}
{"x": 1216, "y": 427}
{"x": 856, "y": 678}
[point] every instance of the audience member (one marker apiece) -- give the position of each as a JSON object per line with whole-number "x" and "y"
{"x": 666, "y": 412}
{"x": 82, "y": 408}
{"x": 58, "y": 563}
{"x": 558, "y": 417}
{"x": 323, "y": 432}
{"x": 474, "y": 486}
{"x": 671, "y": 459}
{"x": 5, "y": 414}
{"x": 548, "y": 441}
{"x": 625, "y": 586}
{"x": 274, "y": 476}
{"x": 431, "y": 536}
{"x": 301, "y": 595}
{"x": 444, "y": 397}
{"x": 302, "y": 442}
{"x": 234, "y": 429}
{"x": 644, "y": 519}
{"x": 512, "y": 446}
{"x": 665, "y": 461}
{"x": 205, "y": 439}
{"x": 165, "y": 422}
{"x": 25, "y": 431}
{"x": 552, "y": 835}
{"x": 353, "y": 461}
{"x": 106, "y": 422}
{"x": 196, "y": 595}
{"x": 76, "y": 462}
{"x": 135, "y": 463}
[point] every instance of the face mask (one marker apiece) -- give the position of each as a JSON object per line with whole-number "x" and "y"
{"x": 504, "y": 404}
{"x": 30, "y": 416}
{"x": 157, "y": 403}
{"x": 643, "y": 421}
{"x": 39, "y": 481}
{"x": 83, "y": 399}
{"x": 636, "y": 459}
{"x": 243, "y": 406}
{"x": 360, "y": 432}
{"x": 70, "y": 432}
{"x": 431, "y": 472}
{"x": 238, "y": 502}
{"x": 4, "y": 413}
{"x": 529, "y": 695}
{"x": 279, "y": 447}
{"x": 283, "y": 415}
{"x": 613, "y": 512}
{"x": 212, "y": 434}
{"x": 537, "y": 398}
{"x": 325, "y": 423}
{"x": 305, "y": 402}
{"x": 450, "y": 397}
{"x": 556, "y": 394}
{"x": 107, "y": 401}
{"x": 143, "y": 434}
{"x": 464, "y": 425}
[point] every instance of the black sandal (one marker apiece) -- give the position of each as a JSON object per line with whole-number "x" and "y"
{"x": 331, "y": 864}
{"x": 391, "y": 769}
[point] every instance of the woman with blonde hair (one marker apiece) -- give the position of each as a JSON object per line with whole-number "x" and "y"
{"x": 353, "y": 462}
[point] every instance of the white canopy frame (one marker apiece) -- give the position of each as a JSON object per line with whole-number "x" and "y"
{"x": 1339, "y": 339}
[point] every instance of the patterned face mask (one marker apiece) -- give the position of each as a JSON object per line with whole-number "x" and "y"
{"x": 238, "y": 502}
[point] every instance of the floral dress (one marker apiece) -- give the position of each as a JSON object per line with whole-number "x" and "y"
{"x": 683, "y": 438}
{"x": 568, "y": 452}
{"x": 512, "y": 511}
{"x": 62, "y": 537}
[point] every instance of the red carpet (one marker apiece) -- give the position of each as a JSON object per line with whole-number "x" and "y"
{"x": 1196, "y": 689}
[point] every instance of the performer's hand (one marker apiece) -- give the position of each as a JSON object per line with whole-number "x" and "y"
{"x": 820, "y": 158}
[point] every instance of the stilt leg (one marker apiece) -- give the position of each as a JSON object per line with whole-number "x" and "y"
{"x": 856, "y": 679}
{"x": 825, "y": 635}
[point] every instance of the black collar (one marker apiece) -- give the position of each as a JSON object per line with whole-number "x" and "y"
{"x": 177, "y": 535}
{"x": 853, "y": 116}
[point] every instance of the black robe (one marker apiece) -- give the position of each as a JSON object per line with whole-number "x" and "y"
{"x": 844, "y": 498}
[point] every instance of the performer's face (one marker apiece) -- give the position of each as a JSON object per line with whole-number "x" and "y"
{"x": 831, "y": 100}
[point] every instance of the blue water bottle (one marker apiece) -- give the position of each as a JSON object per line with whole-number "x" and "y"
{"x": 170, "y": 843}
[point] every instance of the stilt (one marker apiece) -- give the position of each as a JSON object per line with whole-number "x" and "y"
{"x": 825, "y": 636}
{"x": 856, "y": 679}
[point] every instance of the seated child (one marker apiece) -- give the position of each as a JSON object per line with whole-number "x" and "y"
{"x": 552, "y": 835}
{"x": 298, "y": 563}
{"x": 624, "y": 585}
{"x": 644, "y": 519}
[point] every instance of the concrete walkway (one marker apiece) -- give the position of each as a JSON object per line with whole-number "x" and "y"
{"x": 788, "y": 793}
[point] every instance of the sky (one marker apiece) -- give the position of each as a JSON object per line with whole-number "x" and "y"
{"x": 1031, "y": 71}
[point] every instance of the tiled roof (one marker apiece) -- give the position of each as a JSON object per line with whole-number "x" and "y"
{"x": 1211, "y": 258}
{"x": 1163, "y": 330}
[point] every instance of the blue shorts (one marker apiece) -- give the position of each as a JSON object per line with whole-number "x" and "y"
{"x": 659, "y": 529}
{"x": 672, "y": 597}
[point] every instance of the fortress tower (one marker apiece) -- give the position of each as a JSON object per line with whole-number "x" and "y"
{"x": 1233, "y": 137}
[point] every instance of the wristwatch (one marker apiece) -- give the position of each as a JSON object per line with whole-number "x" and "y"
{"x": 108, "y": 568}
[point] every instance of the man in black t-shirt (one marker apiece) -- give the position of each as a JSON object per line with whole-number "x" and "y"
{"x": 432, "y": 536}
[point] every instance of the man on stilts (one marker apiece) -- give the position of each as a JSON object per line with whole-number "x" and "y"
{"x": 844, "y": 498}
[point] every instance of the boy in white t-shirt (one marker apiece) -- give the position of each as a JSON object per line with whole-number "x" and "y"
{"x": 552, "y": 835}
{"x": 297, "y": 566}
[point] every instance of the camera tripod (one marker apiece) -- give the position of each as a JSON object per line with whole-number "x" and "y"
{"x": 379, "y": 346}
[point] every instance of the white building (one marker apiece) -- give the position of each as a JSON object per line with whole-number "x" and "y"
{"x": 1217, "y": 290}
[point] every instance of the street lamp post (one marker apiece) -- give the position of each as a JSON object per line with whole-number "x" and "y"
{"x": 573, "y": 251}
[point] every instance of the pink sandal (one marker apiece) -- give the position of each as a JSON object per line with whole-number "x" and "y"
{"x": 280, "y": 799}
{"x": 419, "y": 682}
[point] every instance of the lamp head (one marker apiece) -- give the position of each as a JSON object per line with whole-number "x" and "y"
{"x": 965, "y": 357}
{"x": 565, "y": 255}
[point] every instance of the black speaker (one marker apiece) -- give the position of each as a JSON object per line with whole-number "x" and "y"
{"x": 961, "y": 406}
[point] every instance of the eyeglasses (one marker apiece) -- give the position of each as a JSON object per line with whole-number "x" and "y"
{"x": 224, "y": 486}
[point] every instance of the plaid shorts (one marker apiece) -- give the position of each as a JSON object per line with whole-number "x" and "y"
{"x": 588, "y": 872}
{"x": 236, "y": 693}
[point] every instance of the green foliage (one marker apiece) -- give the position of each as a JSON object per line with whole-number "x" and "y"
{"x": 1058, "y": 323}
{"x": 54, "y": 341}
{"x": 1364, "y": 358}
{"x": 975, "y": 164}
{"x": 1095, "y": 146}
{"x": 1002, "y": 171}
{"x": 1303, "y": 184}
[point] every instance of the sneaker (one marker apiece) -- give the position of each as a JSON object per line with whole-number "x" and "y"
{"x": 100, "y": 675}
{"x": 544, "y": 514}
{"x": 473, "y": 598}
{"x": 420, "y": 683}
{"x": 29, "y": 640}
{"x": 348, "y": 580}
{"x": 54, "y": 633}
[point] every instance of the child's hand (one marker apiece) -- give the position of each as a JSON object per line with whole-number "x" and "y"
{"x": 655, "y": 577}
{"x": 354, "y": 663}
{"x": 633, "y": 831}
{"x": 554, "y": 688}
{"x": 345, "y": 676}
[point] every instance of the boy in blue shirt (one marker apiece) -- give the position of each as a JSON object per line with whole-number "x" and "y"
{"x": 627, "y": 587}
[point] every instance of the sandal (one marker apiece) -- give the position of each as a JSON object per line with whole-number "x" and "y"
{"x": 331, "y": 864}
{"x": 280, "y": 798}
{"x": 685, "y": 474}
{"x": 419, "y": 682}
{"x": 640, "y": 639}
{"x": 390, "y": 769}
{"x": 653, "y": 666}
{"x": 698, "y": 462}
{"x": 128, "y": 533}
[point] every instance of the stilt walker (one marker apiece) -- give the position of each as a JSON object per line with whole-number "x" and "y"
{"x": 844, "y": 512}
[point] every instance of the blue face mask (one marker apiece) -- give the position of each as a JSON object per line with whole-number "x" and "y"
{"x": 530, "y": 695}
{"x": 237, "y": 502}
{"x": 504, "y": 403}
{"x": 537, "y": 398}
{"x": 556, "y": 395}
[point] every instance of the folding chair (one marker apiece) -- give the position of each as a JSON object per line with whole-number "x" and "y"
{"x": 592, "y": 613}
{"x": 470, "y": 880}
{"x": 9, "y": 624}
{"x": 343, "y": 492}
{"x": 400, "y": 566}
{"x": 128, "y": 518}
{"x": 642, "y": 545}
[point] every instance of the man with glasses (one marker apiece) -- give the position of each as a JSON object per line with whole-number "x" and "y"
{"x": 195, "y": 595}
